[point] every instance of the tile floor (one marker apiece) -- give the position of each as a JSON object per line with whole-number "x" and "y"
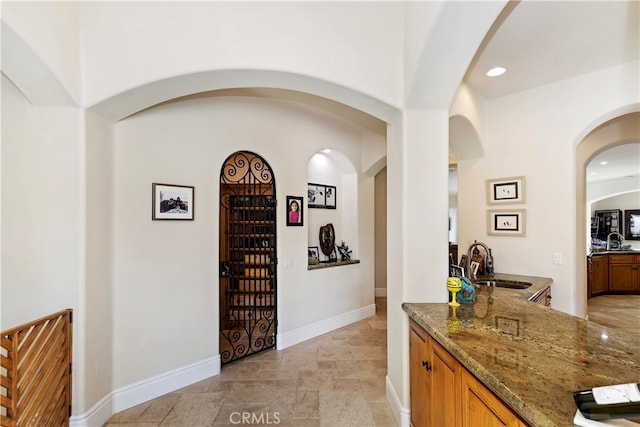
{"x": 616, "y": 311}
{"x": 337, "y": 379}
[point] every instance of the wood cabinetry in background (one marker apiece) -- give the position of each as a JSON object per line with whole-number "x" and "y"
{"x": 445, "y": 393}
{"x": 598, "y": 277}
{"x": 453, "y": 252}
{"x": 613, "y": 273}
{"x": 624, "y": 273}
{"x": 544, "y": 297}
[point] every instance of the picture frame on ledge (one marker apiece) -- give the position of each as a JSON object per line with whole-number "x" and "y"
{"x": 172, "y": 202}
{"x": 503, "y": 191}
{"x": 313, "y": 253}
{"x": 506, "y": 222}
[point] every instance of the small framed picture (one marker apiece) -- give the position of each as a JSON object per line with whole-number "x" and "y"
{"x": 474, "y": 268}
{"x": 504, "y": 222}
{"x": 506, "y": 190}
{"x": 632, "y": 224}
{"x": 171, "y": 201}
{"x": 463, "y": 261}
{"x": 314, "y": 252}
{"x": 330, "y": 196}
{"x": 315, "y": 195}
{"x": 295, "y": 211}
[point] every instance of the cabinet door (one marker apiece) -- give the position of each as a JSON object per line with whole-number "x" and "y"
{"x": 418, "y": 376}
{"x": 480, "y": 407}
{"x": 622, "y": 277}
{"x": 445, "y": 381}
{"x": 599, "y": 275}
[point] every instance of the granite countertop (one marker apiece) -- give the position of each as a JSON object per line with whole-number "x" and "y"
{"x": 614, "y": 251}
{"x": 531, "y": 356}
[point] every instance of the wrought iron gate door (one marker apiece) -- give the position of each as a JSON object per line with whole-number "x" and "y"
{"x": 248, "y": 256}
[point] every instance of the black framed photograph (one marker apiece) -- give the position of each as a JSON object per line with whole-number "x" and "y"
{"x": 632, "y": 224}
{"x": 505, "y": 222}
{"x": 314, "y": 252}
{"x": 330, "y": 196}
{"x": 172, "y": 202}
{"x": 506, "y": 190}
{"x": 315, "y": 195}
{"x": 295, "y": 211}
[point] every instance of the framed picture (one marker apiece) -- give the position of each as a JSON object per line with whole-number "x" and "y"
{"x": 463, "y": 261}
{"x": 474, "y": 268}
{"x": 506, "y": 191}
{"x": 295, "y": 211}
{"x": 505, "y": 222}
{"x": 172, "y": 202}
{"x": 314, "y": 252}
{"x": 632, "y": 224}
{"x": 315, "y": 195}
{"x": 330, "y": 196}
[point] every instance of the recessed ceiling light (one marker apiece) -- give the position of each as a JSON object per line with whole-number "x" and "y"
{"x": 604, "y": 162}
{"x": 496, "y": 71}
{"x": 326, "y": 150}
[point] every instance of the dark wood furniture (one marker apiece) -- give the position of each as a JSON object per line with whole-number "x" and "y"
{"x": 613, "y": 273}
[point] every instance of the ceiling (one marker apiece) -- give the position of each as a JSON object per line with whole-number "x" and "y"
{"x": 541, "y": 42}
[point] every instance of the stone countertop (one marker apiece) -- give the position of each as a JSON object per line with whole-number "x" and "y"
{"x": 615, "y": 251}
{"x": 531, "y": 356}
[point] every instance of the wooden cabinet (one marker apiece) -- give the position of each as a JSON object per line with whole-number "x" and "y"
{"x": 444, "y": 393}
{"x": 615, "y": 273}
{"x": 624, "y": 273}
{"x": 598, "y": 275}
{"x": 544, "y": 297}
{"x": 480, "y": 407}
{"x": 434, "y": 382}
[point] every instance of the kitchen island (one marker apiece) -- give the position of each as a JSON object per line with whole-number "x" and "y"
{"x": 530, "y": 356}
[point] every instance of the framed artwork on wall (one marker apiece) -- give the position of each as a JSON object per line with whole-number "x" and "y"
{"x": 330, "y": 196}
{"x": 632, "y": 224}
{"x": 172, "y": 202}
{"x": 505, "y": 191}
{"x": 315, "y": 195}
{"x": 505, "y": 222}
{"x": 321, "y": 196}
{"x": 295, "y": 206}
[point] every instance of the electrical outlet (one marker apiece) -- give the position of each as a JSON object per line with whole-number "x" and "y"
{"x": 557, "y": 258}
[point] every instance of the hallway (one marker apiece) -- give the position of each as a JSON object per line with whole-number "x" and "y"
{"x": 337, "y": 379}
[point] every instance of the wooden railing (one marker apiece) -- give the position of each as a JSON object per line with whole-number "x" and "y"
{"x": 35, "y": 372}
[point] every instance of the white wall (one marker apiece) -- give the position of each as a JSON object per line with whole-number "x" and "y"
{"x": 165, "y": 272}
{"x": 40, "y": 209}
{"x": 534, "y": 134}
{"x": 305, "y": 38}
{"x": 381, "y": 233}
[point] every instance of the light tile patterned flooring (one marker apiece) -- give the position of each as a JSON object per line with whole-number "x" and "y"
{"x": 616, "y": 311}
{"x": 337, "y": 379}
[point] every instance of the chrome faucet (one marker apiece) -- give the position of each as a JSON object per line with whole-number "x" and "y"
{"x": 488, "y": 258}
{"x": 609, "y": 241}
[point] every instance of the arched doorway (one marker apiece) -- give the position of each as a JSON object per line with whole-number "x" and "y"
{"x": 247, "y": 256}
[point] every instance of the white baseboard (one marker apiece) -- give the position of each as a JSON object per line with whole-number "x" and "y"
{"x": 134, "y": 394}
{"x": 299, "y": 335}
{"x": 402, "y": 415}
{"x": 142, "y": 391}
{"x": 381, "y": 292}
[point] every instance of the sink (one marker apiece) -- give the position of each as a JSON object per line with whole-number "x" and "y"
{"x": 513, "y": 284}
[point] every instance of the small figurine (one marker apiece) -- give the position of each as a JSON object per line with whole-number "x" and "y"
{"x": 345, "y": 253}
